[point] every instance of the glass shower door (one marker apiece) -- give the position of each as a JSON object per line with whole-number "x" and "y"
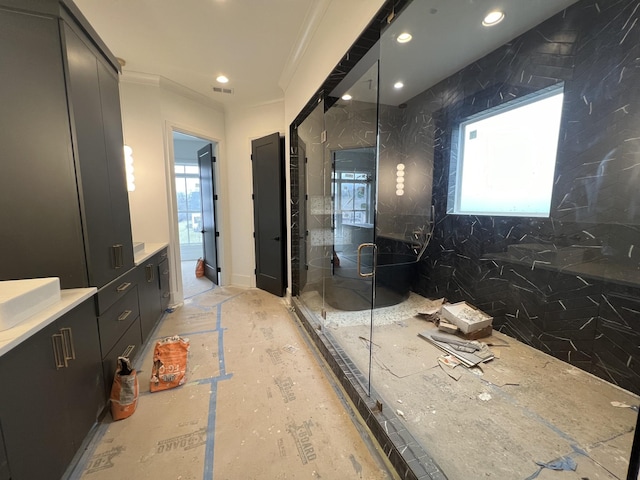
{"x": 350, "y": 153}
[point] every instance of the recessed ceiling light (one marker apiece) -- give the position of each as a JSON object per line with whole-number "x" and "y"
{"x": 346, "y": 96}
{"x": 493, "y": 18}
{"x": 404, "y": 37}
{"x": 398, "y": 85}
{"x": 222, "y": 79}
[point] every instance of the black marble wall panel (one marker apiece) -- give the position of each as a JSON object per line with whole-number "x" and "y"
{"x": 408, "y": 143}
{"x": 568, "y": 285}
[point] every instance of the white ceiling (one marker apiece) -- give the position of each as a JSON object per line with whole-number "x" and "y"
{"x": 448, "y": 37}
{"x": 191, "y": 42}
{"x": 257, "y": 43}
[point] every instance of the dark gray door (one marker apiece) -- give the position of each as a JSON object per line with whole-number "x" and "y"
{"x": 209, "y": 197}
{"x": 268, "y": 213}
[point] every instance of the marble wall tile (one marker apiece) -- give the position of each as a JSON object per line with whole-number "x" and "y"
{"x": 552, "y": 282}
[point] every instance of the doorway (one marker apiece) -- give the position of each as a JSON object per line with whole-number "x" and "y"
{"x": 191, "y": 216}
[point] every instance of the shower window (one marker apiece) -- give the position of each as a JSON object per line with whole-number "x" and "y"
{"x": 507, "y": 157}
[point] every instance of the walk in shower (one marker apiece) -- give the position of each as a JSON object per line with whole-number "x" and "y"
{"x": 492, "y": 165}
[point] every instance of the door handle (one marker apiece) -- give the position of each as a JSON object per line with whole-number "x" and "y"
{"x": 118, "y": 258}
{"x": 56, "y": 352}
{"x": 68, "y": 348}
{"x": 375, "y": 251}
{"x": 150, "y": 273}
{"x": 277, "y": 239}
{"x": 128, "y": 351}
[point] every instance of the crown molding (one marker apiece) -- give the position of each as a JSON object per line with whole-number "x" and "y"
{"x": 309, "y": 26}
{"x": 164, "y": 83}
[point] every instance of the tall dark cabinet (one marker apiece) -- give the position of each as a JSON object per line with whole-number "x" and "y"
{"x": 65, "y": 207}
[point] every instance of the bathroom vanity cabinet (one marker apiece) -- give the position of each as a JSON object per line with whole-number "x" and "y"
{"x": 62, "y": 149}
{"x": 52, "y": 394}
{"x": 153, "y": 290}
{"x": 128, "y": 310}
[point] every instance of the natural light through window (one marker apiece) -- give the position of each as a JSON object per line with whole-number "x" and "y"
{"x": 507, "y": 158}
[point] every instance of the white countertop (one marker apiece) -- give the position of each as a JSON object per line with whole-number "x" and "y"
{"x": 150, "y": 249}
{"x": 69, "y": 299}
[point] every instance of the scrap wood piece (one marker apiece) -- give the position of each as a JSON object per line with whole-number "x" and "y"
{"x": 447, "y": 327}
{"x": 476, "y": 334}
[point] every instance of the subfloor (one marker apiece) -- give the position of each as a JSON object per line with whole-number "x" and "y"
{"x": 257, "y": 404}
{"x": 491, "y": 422}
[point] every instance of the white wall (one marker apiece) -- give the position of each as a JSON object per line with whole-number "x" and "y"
{"x": 151, "y": 108}
{"x": 242, "y": 126}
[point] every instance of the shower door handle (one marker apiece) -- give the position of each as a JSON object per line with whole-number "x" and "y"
{"x": 375, "y": 250}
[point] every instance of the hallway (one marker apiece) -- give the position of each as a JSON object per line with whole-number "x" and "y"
{"x": 257, "y": 404}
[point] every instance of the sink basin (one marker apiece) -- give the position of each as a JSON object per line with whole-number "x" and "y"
{"x": 21, "y": 299}
{"x": 138, "y": 247}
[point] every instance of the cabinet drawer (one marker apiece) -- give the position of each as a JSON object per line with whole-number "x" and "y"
{"x": 117, "y": 319}
{"x": 112, "y": 292}
{"x": 130, "y": 344}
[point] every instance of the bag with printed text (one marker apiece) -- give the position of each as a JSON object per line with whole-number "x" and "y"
{"x": 169, "y": 363}
{"x": 124, "y": 391}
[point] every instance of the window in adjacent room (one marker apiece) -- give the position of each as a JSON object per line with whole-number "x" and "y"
{"x": 507, "y": 156}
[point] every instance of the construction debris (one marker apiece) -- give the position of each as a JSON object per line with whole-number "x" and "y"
{"x": 465, "y": 316}
{"x": 470, "y": 353}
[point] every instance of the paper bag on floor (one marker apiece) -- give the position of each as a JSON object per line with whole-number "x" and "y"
{"x": 169, "y": 363}
{"x": 124, "y": 391}
{"x": 200, "y": 268}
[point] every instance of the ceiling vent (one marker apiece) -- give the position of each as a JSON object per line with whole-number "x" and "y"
{"x": 223, "y": 90}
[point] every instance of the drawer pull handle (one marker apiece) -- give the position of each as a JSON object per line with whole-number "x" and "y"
{"x": 150, "y": 273}
{"x": 68, "y": 349}
{"x": 56, "y": 352}
{"x": 163, "y": 255}
{"x": 128, "y": 351}
{"x": 165, "y": 295}
{"x": 123, "y": 287}
{"x": 166, "y": 272}
{"x": 124, "y": 315}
